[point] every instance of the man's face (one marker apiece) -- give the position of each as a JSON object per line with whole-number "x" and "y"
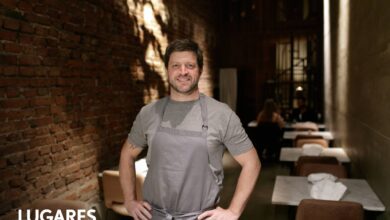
{"x": 183, "y": 72}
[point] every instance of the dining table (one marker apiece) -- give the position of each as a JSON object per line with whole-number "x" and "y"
{"x": 291, "y": 154}
{"x": 291, "y": 135}
{"x": 290, "y": 190}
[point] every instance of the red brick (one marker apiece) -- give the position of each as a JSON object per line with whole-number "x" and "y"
{"x": 30, "y": 93}
{"x": 11, "y": 24}
{"x": 27, "y": 71}
{"x": 27, "y": 28}
{"x": 3, "y": 163}
{"x": 56, "y": 148}
{"x": 44, "y": 150}
{"x": 48, "y": 140}
{"x": 16, "y": 182}
{"x": 14, "y": 103}
{"x": 9, "y": 3}
{"x": 8, "y": 35}
{"x": 25, "y": 6}
{"x": 42, "y": 111}
{"x": 46, "y": 169}
{"x": 41, "y": 30}
{"x": 31, "y": 155}
{"x": 8, "y": 59}
{"x": 12, "y": 48}
{"x": 29, "y": 60}
{"x": 59, "y": 183}
{"x": 10, "y": 70}
{"x": 60, "y": 100}
{"x": 41, "y": 101}
{"x": 33, "y": 174}
{"x": 13, "y": 92}
{"x": 15, "y": 158}
{"x": 41, "y": 122}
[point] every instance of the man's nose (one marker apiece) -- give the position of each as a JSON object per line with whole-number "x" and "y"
{"x": 183, "y": 69}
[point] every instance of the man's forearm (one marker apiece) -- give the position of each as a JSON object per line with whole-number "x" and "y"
{"x": 127, "y": 175}
{"x": 245, "y": 185}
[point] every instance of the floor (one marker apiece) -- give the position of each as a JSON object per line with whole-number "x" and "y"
{"x": 259, "y": 206}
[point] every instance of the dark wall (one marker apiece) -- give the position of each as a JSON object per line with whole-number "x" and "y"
{"x": 357, "y": 79}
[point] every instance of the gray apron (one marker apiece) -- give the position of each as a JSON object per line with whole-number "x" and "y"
{"x": 180, "y": 183}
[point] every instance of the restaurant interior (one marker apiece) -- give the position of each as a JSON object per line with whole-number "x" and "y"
{"x": 74, "y": 74}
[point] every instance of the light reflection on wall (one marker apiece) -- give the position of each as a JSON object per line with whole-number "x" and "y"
{"x": 342, "y": 60}
{"x": 336, "y": 72}
{"x": 327, "y": 60}
{"x": 146, "y": 14}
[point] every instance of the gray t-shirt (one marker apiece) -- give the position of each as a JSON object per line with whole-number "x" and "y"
{"x": 224, "y": 127}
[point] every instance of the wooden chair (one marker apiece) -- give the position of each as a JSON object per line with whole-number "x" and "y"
{"x": 306, "y": 136}
{"x": 314, "y": 159}
{"x": 112, "y": 192}
{"x": 305, "y": 126}
{"x": 322, "y": 142}
{"x": 310, "y": 209}
{"x": 337, "y": 170}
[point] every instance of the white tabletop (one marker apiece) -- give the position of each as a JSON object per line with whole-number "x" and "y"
{"x": 291, "y": 154}
{"x": 292, "y": 134}
{"x": 290, "y": 190}
{"x": 292, "y": 125}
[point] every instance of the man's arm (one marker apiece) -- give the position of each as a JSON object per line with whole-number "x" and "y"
{"x": 137, "y": 209}
{"x": 250, "y": 164}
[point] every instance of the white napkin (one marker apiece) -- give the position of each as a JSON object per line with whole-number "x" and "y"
{"x": 325, "y": 187}
{"x": 328, "y": 190}
{"x": 317, "y": 177}
{"x": 312, "y": 149}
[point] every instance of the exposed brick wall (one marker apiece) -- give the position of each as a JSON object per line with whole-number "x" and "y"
{"x": 73, "y": 75}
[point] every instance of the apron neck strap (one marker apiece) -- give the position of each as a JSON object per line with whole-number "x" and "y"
{"x": 203, "y": 109}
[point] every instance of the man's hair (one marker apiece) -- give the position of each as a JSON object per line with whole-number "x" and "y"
{"x": 184, "y": 45}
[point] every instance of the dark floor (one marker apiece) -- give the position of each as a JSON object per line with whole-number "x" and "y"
{"x": 259, "y": 206}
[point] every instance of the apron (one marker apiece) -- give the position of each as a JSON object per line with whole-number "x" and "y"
{"x": 180, "y": 183}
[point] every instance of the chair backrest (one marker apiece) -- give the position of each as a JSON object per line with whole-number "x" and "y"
{"x": 112, "y": 190}
{"x": 269, "y": 133}
{"x": 309, "y": 209}
{"x": 306, "y": 136}
{"x": 314, "y": 159}
{"x": 322, "y": 142}
{"x": 337, "y": 170}
{"x": 305, "y": 126}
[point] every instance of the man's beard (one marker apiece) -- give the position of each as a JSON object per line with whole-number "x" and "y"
{"x": 193, "y": 87}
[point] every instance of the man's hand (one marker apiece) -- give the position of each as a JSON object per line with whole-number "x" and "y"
{"x": 218, "y": 214}
{"x": 139, "y": 210}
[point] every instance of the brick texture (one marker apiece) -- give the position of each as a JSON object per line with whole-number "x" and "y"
{"x": 73, "y": 76}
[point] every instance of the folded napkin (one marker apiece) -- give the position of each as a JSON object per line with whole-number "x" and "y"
{"x": 325, "y": 187}
{"x": 317, "y": 177}
{"x": 312, "y": 149}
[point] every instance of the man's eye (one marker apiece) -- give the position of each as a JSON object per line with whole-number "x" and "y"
{"x": 190, "y": 66}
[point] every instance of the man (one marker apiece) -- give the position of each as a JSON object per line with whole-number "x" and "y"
{"x": 186, "y": 134}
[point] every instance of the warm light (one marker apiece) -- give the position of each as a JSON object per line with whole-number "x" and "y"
{"x": 149, "y": 32}
{"x": 299, "y": 89}
{"x": 342, "y": 52}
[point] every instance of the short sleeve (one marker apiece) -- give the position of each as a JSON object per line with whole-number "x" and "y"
{"x": 137, "y": 135}
{"x": 236, "y": 140}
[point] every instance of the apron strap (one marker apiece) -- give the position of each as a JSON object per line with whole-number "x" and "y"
{"x": 203, "y": 108}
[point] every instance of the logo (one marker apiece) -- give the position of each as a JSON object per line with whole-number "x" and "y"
{"x": 47, "y": 214}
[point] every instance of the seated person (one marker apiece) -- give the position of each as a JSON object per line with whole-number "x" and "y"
{"x": 269, "y": 131}
{"x": 302, "y": 113}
